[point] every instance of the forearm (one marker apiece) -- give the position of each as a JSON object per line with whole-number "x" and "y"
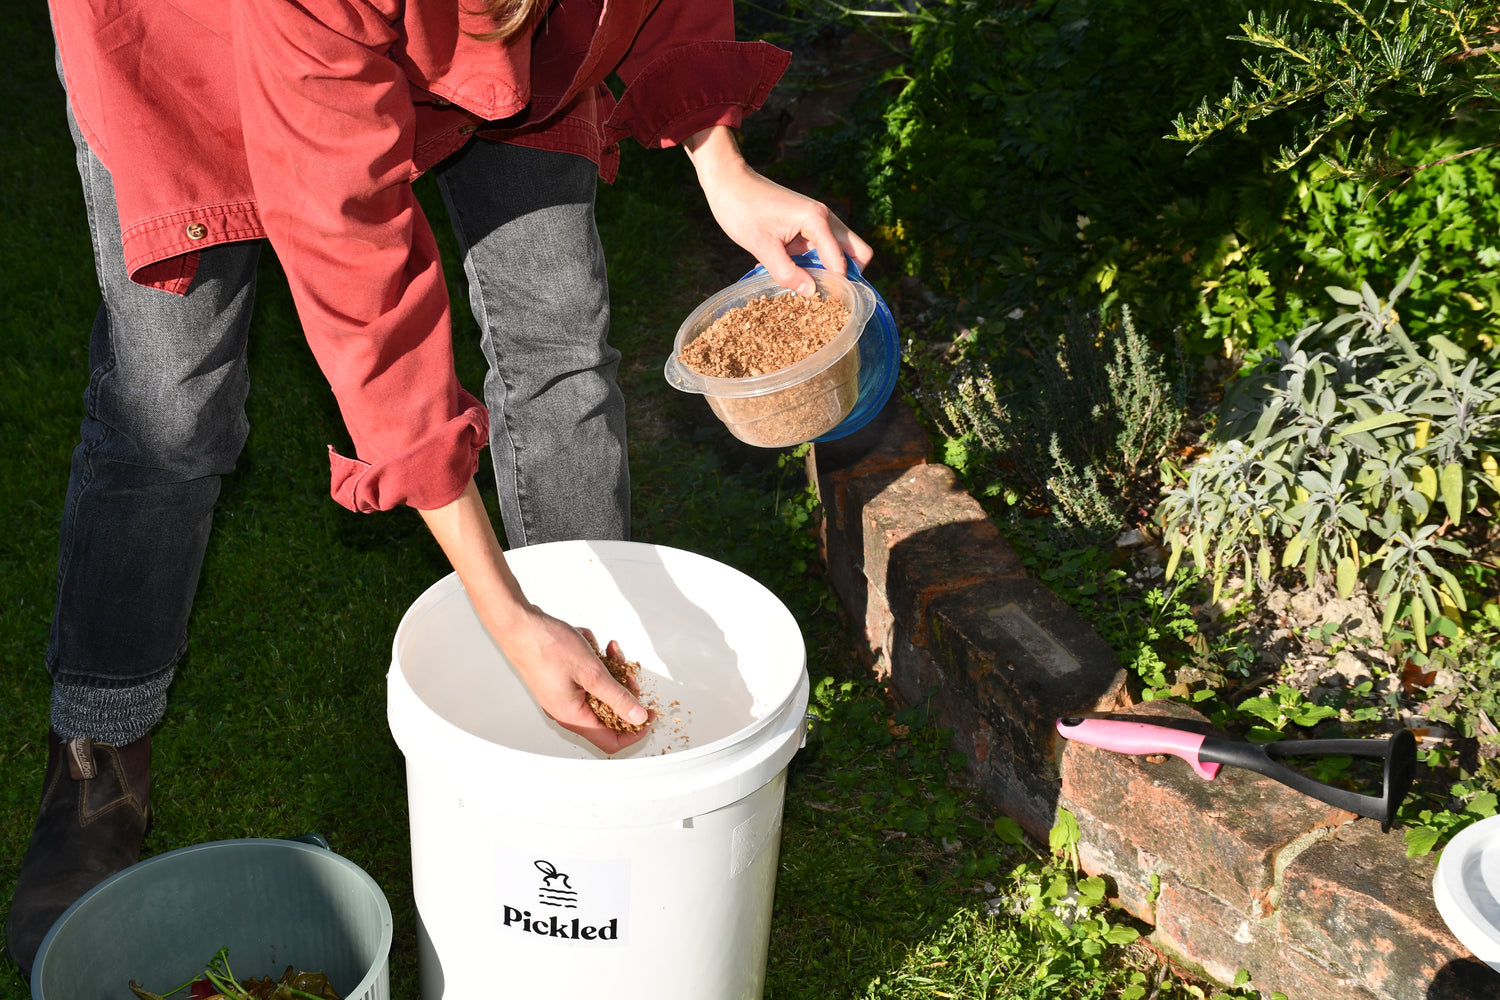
{"x": 467, "y": 537}
{"x": 715, "y": 155}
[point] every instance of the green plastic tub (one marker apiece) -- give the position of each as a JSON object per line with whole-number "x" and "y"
{"x": 272, "y": 903}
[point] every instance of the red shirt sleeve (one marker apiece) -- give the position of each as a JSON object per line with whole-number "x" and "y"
{"x": 685, "y": 72}
{"x": 329, "y": 133}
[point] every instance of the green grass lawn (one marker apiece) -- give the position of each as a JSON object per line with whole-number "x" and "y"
{"x": 276, "y": 725}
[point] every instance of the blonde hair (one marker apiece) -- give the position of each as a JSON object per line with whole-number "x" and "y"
{"x": 511, "y": 17}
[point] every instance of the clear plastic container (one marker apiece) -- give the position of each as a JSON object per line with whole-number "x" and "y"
{"x": 793, "y": 404}
{"x": 879, "y": 352}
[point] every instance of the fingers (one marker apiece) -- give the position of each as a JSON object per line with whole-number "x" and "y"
{"x": 620, "y": 699}
{"x": 824, "y": 232}
{"x": 623, "y": 700}
{"x": 586, "y": 724}
{"x": 561, "y": 666}
{"x": 605, "y": 738}
{"x": 575, "y": 714}
{"x": 780, "y": 266}
{"x": 855, "y": 247}
{"x": 633, "y": 682}
{"x": 834, "y": 241}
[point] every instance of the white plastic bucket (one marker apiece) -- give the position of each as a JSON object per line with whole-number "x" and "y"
{"x": 541, "y": 867}
{"x": 1466, "y": 889}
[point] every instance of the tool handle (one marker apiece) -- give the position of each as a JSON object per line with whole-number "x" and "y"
{"x": 1123, "y": 736}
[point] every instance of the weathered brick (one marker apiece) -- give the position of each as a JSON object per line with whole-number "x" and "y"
{"x": 1358, "y": 900}
{"x": 918, "y": 680}
{"x": 1019, "y": 792}
{"x": 880, "y": 633}
{"x": 915, "y": 675}
{"x": 923, "y": 530}
{"x": 992, "y": 651}
{"x": 844, "y": 572}
{"x": 1222, "y": 836}
{"x": 863, "y": 462}
{"x": 994, "y": 760}
{"x": 892, "y": 442}
{"x": 871, "y": 457}
{"x": 1304, "y": 974}
{"x": 912, "y": 558}
{"x": 1128, "y": 867}
{"x": 1210, "y": 934}
{"x": 935, "y": 539}
{"x": 1017, "y": 650}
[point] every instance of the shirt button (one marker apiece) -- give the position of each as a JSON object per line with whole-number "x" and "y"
{"x": 196, "y": 230}
{"x": 466, "y": 129}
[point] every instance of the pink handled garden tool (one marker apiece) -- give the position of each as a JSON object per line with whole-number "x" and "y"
{"x": 1207, "y": 753}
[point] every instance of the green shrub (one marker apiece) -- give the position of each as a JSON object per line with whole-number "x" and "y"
{"x": 1016, "y": 159}
{"x": 1074, "y": 419}
{"x": 1399, "y": 99}
{"x": 1352, "y": 451}
{"x": 1431, "y": 193}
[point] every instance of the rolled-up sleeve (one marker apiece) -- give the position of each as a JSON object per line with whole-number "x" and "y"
{"x": 413, "y": 477}
{"x": 685, "y": 72}
{"x": 329, "y": 132}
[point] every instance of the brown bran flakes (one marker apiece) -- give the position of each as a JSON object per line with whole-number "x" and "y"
{"x": 625, "y": 671}
{"x": 765, "y": 335}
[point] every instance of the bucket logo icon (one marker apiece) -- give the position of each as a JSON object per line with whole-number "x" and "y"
{"x": 582, "y": 902}
{"x": 555, "y": 889}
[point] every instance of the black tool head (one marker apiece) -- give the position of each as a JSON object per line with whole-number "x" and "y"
{"x": 1400, "y": 767}
{"x": 1398, "y": 754}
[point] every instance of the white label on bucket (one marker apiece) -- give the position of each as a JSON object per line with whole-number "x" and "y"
{"x": 581, "y": 902}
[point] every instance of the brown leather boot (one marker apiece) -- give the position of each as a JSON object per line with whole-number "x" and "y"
{"x": 96, "y": 804}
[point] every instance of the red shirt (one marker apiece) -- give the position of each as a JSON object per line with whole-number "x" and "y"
{"x": 306, "y": 122}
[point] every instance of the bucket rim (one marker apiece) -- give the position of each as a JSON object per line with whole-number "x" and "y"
{"x": 387, "y": 923}
{"x": 1464, "y": 892}
{"x": 627, "y": 799}
{"x": 692, "y": 756}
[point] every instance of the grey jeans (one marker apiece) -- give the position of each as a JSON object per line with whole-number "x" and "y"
{"x": 164, "y": 417}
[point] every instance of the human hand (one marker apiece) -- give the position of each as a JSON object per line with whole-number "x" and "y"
{"x": 769, "y": 220}
{"x": 558, "y": 664}
{"x": 554, "y": 660}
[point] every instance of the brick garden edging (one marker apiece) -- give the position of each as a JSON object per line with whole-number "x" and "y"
{"x": 1250, "y": 875}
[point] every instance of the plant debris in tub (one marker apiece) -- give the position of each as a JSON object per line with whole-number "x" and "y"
{"x": 218, "y": 983}
{"x": 765, "y": 335}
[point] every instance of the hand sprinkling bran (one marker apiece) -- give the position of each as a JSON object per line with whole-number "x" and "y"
{"x": 623, "y": 670}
